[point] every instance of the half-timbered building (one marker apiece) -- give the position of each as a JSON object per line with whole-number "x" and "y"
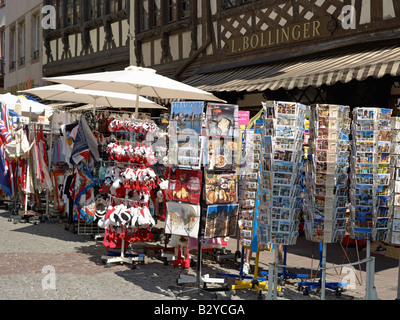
{"x": 334, "y": 51}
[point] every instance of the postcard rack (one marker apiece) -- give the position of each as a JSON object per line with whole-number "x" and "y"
{"x": 208, "y": 159}
{"x": 250, "y": 157}
{"x": 394, "y": 236}
{"x": 327, "y": 173}
{"x": 370, "y": 174}
{"x": 280, "y": 179}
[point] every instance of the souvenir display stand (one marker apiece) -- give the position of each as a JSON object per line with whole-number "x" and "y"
{"x": 249, "y": 181}
{"x": 248, "y": 168}
{"x": 327, "y": 177}
{"x": 213, "y": 155}
{"x": 279, "y": 196}
{"x": 370, "y": 174}
{"x": 281, "y": 173}
{"x": 32, "y": 173}
{"x": 370, "y": 185}
{"x": 394, "y": 235}
{"x": 129, "y": 185}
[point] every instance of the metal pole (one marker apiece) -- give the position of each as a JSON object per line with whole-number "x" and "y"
{"x": 276, "y": 272}
{"x": 323, "y": 271}
{"x": 398, "y": 282}
{"x": 270, "y": 280}
{"x": 368, "y": 271}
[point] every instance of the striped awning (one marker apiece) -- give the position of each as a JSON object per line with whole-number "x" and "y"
{"x": 301, "y": 74}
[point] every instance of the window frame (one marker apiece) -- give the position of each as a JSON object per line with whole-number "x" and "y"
{"x": 171, "y": 11}
{"x": 21, "y": 43}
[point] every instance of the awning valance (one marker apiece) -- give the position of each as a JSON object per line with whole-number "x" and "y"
{"x": 314, "y": 72}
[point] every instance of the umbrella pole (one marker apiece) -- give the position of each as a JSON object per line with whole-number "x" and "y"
{"x": 137, "y": 103}
{"x": 94, "y": 106}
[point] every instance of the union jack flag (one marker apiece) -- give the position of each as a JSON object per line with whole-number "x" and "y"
{"x": 5, "y": 138}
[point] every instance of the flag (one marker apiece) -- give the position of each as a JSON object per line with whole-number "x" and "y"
{"x": 85, "y": 142}
{"x": 5, "y": 138}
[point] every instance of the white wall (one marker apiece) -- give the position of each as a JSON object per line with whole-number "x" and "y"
{"x": 17, "y": 11}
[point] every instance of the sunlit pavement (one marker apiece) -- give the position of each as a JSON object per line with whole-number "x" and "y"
{"x": 47, "y": 262}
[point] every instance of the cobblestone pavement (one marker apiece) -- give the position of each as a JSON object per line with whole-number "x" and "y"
{"x": 31, "y": 254}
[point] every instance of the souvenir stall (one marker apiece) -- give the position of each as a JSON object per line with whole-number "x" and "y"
{"x": 327, "y": 178}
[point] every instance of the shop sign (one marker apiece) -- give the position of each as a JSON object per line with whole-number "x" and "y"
{"x": 291, "y": 34}
{"x": 244, "y": 118}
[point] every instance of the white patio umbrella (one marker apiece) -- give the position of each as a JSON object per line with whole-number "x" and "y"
{"x": 27, "y": 105}
{"x": 96, "y": 98}
{"x": 136, "y": 80}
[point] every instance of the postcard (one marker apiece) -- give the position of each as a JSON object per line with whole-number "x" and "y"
{"x": 182, "y": 219}
{"x": 188, "y": 116}
{"x": 222, "y": 153}
{"x": 285, "y": 107}
{"x": 184, "y": 185}
{"x": 186, "y": 151}
{"x": 221, "y": 221}
{"x": 222, "y": 119}
{"x": 220, "y": 188}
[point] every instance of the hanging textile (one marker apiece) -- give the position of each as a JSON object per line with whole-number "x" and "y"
{"x": 5, "y": 172}
{"x": 85, "y": 143}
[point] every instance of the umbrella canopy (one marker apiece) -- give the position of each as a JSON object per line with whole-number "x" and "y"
{"x": 62, "y": 92}
{"x": 136, "y": 80}
{"x": 27, "y": 105}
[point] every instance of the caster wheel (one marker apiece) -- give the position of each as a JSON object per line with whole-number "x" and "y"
{"x": 305, "y": 292}
{"x": 133, "y": 267}
{"x": 166, "y": 263}
{"x": 232, "y": 292}
{"x": 338, "y": 292}
{"x": 300, "y": 288}
{"x": 108, "y": 265}
{"x": 260, "y": 296}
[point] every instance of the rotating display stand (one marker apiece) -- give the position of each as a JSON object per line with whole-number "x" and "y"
{"x": 218, "y": 182}
{"x": 327, "y": 178}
